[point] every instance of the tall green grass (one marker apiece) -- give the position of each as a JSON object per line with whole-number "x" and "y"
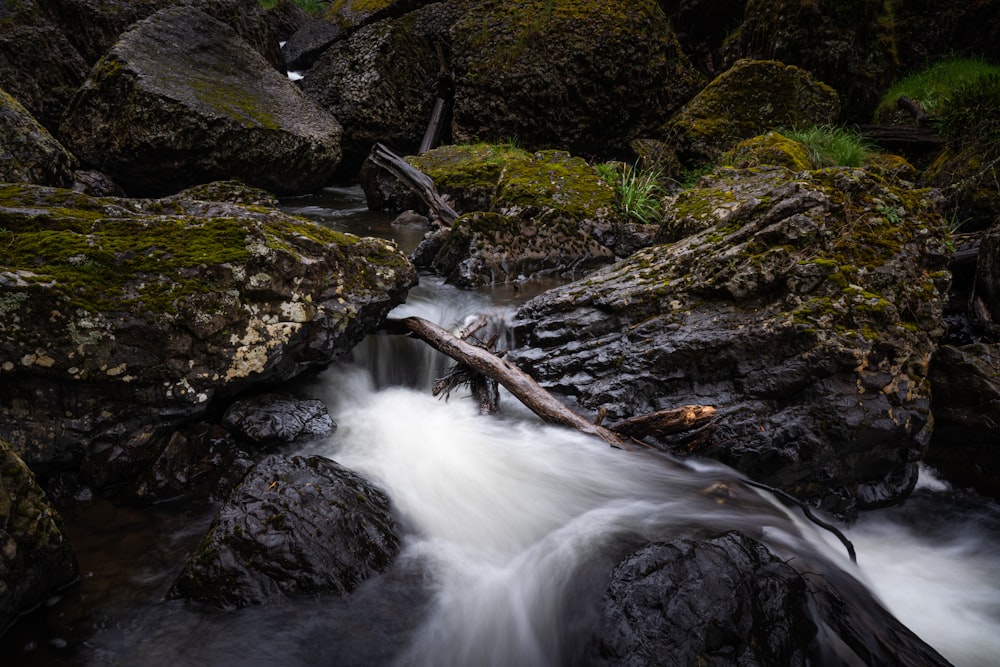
{"x": 832, "y": 146}
{"x": 934, "y": 87}
{"x": 639, "y": 193}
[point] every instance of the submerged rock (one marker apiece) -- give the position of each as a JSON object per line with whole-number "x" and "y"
{"x": 294, "y": 526}
{"x": 35, "y": 556}
{"x": 182, "y": 99}
{"x": 804, "y": 306}
{"x": 120, "y": 318}
{"x": 273, "y": 419}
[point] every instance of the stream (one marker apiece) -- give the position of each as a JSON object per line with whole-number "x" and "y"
{"x": 511, "y": 527}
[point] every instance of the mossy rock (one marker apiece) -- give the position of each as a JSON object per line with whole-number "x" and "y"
{"x": 349, "y": 15}
{"x": 750, "y": 98}
{"x": 577, "y": 75}
{"x": 526, "y": 214}
{"x": 36, "y": 558}
{"x": 144, "y": 310}
{"x": 969, "y": 178}
{"x": 847, "y": 44}
{"x": 181, "y": 99}
{"x": 768, "y": 149}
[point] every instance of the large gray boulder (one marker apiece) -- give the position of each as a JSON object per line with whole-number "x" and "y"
{"x": 381, "y": 82}
{"x": 182, "y": 99}
{"x": 35, "y": 555}
{"x": 123, "y": 317}
{"x": 804, "y": 306}
{"x": 294, "y": 526}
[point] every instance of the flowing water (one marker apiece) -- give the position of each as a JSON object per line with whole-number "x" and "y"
{"x": 511, "y": 527}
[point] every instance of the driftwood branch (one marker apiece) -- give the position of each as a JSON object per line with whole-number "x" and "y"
{"x": 551, "y": 410}
{"x": 419, "y": 182}
{"x": 516, "y": 381}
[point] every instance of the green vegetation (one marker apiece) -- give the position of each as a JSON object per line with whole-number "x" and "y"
{"x": 832, "y": 146}
{"x": 638, "y": 191}
{"x": 934, "y": 87}
{"x": 311, "y": 7}
{"x": 973, "y": 112}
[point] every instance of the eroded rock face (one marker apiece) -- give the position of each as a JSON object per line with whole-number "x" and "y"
{"x": 119, "y": 317}
{"x": 28, "y": 153}
{"x": 294, "y": 526}
{"x": 580, "y": 76}
{"x": 35, "y": 555}
{"x": 182, "y": 99}
{"x": 803, "y": 306}
{"x": 273, "y": 419}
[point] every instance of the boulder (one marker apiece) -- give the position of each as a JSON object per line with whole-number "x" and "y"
{"x": 39, "y": 66}
{"x": 381, "y": 83}
{"x": 275, "y": 419}
{"x": 965, "y": 381}
{"x": 28, "y": 153}
{"x": 987, "y": 280}
{"x": 587, "y": 77}
{"x": 730, "y": 600}
{"x": 750, "y": 98}
{"x": 120, "y": 318}
{"x": 847, "y": 44}
{"x": 35, "y": 556}
{"x": 308, "y": 43}
{"x": 804, "y": 306}
{"x": 182, "y": 99}
{"x": 524, "y": 214}
{"x": 293, "y": 527}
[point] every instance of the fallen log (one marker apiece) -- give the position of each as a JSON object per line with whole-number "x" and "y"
{"x": 552, "y": 411}
{"x": 516, "y": 381}
{"x": 419, "y": 182}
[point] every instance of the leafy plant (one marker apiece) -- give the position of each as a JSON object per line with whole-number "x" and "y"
{"x": 638, "y": 190}
{"x": 934, "y": 87}
{"x": 832, "y": 146}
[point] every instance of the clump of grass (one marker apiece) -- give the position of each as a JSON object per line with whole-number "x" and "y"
{"x": 639, "y": 192}
{"x": 933, "y": 88}
{"x": 973, "y": 112}
{"x": 832, "y": 146}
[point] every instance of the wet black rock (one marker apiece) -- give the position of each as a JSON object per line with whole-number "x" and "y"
{"x": 294, "y": 526}
{"x": 272, "y": 419}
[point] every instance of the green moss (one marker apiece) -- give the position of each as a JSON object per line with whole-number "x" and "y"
{"x": 233, "y": 101}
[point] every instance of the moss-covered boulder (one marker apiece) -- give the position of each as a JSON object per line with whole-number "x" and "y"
{"x": 35, "y": 556}
{"x": 295, "y": 526}
{"x": 28, "y": 153}
{"x": 119, "y": 317}
{"x": 524, "y": 214}
{"x": 848, "y": 44}
{"x": 382, "y": 82}
{"x": 575, "y": 75}
{"x": 750, "y": 98}
{"x": 182, "y": 99}
{"x": 805, "y": 307}
{"x": 772, "y": 148}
